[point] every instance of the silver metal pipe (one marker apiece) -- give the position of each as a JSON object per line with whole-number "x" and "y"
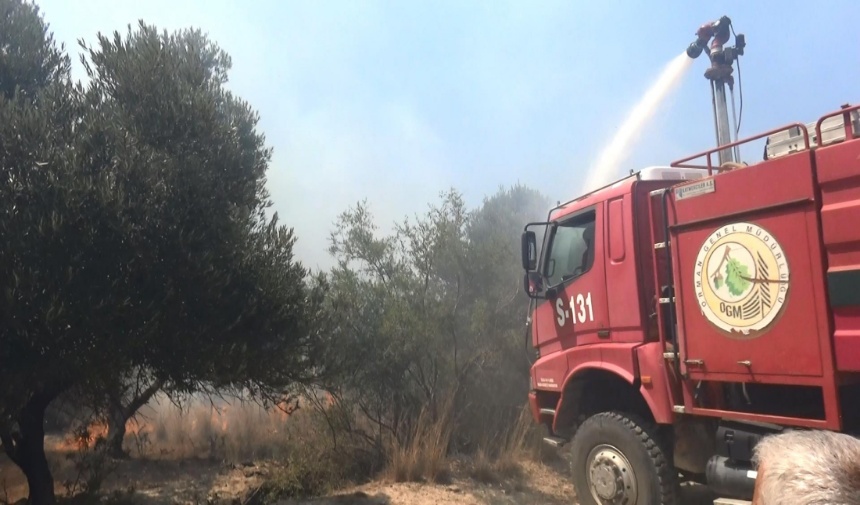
{"x": 724, "y": 134}
{"x": 714, "y": 106}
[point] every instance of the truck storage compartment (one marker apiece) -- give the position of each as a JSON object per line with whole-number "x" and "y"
{"x": 747, "y": 268}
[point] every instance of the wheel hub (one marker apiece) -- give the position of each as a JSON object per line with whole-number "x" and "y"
{"x": 610, "y": 477}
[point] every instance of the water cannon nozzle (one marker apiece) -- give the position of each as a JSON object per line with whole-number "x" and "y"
{"x": 694, "y": 49}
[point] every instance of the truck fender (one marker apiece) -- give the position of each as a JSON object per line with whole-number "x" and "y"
{"x": 570, "y": 393}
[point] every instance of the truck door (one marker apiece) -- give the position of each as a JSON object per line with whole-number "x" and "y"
{"x": 574, "y": 270}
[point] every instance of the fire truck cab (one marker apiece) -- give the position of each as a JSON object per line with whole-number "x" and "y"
{"x": 685, "y": 312}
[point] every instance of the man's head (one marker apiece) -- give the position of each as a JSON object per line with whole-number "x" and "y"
{"x": 808, "y": 468}
{"x": 588, "y": 234}
{"x": 588, "y": 254}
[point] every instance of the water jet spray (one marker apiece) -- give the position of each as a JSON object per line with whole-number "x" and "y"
{"x": 608, "y": 163}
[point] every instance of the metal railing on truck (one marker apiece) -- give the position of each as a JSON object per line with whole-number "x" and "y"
{"x": 683, "y": 163}
{"x": 845, "y": 111}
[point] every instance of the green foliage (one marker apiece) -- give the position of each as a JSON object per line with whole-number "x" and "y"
{"x": 135, "y": 234}
{"x": 30, "y": 61}
{"x": 736, "y": 277}
{"x": 315, "y": 462}
{"x": 305, "y": 475}
{"x": 146, "y": 223}
{"x": 435, "y": 307}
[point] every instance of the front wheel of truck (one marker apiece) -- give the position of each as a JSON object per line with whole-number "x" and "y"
{"x": 617, "y": 459}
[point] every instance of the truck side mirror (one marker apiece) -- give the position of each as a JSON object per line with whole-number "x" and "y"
{"x": 533, "y": 284}
{"x": 529, "y": 251}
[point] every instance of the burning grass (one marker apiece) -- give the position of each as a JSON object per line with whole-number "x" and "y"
{"x": 229, "y": 432}
{"x": 308, "y": 457}
{"x": 234, "y": 431}
{"x": 308, "y": 452}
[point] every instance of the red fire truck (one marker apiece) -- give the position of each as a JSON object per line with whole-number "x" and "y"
{"x": 684, "y": 312}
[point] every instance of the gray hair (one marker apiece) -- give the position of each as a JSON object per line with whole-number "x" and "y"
{"x": 808, "y": 468}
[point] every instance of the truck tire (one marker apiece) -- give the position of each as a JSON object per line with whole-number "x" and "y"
{"x": 617, "y": 459}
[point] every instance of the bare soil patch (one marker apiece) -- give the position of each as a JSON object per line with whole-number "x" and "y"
{"x": 196, "y": 481}
{"x": 199, "y": 481}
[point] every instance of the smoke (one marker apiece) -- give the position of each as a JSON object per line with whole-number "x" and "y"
{"x": 607, "y": 167}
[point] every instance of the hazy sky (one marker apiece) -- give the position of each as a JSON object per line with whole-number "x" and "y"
{"x": 396, "y": 101}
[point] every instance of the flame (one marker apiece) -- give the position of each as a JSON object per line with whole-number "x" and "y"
{"x": 83, "y": 438}
{"x": 220, "y": 419}
{"x": 87, "y": 437}
{"x": 135, "y": 427}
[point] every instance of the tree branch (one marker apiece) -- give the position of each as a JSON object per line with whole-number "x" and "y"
{"x": 9, "y": 447}
{"x": 140, "y": 400}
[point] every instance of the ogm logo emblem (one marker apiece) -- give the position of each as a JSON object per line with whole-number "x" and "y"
{"x": 742, "y": 278}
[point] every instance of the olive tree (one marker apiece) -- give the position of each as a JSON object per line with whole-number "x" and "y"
{"x": 135, "y": 230}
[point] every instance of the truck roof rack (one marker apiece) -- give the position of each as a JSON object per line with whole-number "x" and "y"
{"x": 832, "y": 130}
{"x": 709, "y": 165}
{"x": 834, "y": 127}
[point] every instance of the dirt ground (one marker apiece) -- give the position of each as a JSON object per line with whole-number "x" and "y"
{"x": 538, "y": 484}
{"x": 199, "y": 481}
{"x": 542, "y": 486}
{"x": 168, "y": 482}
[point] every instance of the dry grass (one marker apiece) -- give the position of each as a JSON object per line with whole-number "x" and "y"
{"x": 233, "y": 431}
{"x": 500, "y": 459}
{"x": 305, "y": 459}
{"x": 424, "y": 457}
{"x": 311, "y": 457}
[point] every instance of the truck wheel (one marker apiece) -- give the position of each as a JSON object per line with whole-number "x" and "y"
{"x": 616, "y": 459}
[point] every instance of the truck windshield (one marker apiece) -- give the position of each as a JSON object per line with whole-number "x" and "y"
{"x": 571, "y": 251}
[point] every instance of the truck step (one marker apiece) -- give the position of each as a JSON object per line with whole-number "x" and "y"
{"x": 554, "y": 441}
{"x": 548, "y": 412}
{"x": 731, "y": 501}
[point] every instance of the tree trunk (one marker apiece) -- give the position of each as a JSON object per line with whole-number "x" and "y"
{"x": 119, "y": 414}
{"x": 34, "y": 464}
{"x": 26, "y": 448}
{"x": 116, "y": 432}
